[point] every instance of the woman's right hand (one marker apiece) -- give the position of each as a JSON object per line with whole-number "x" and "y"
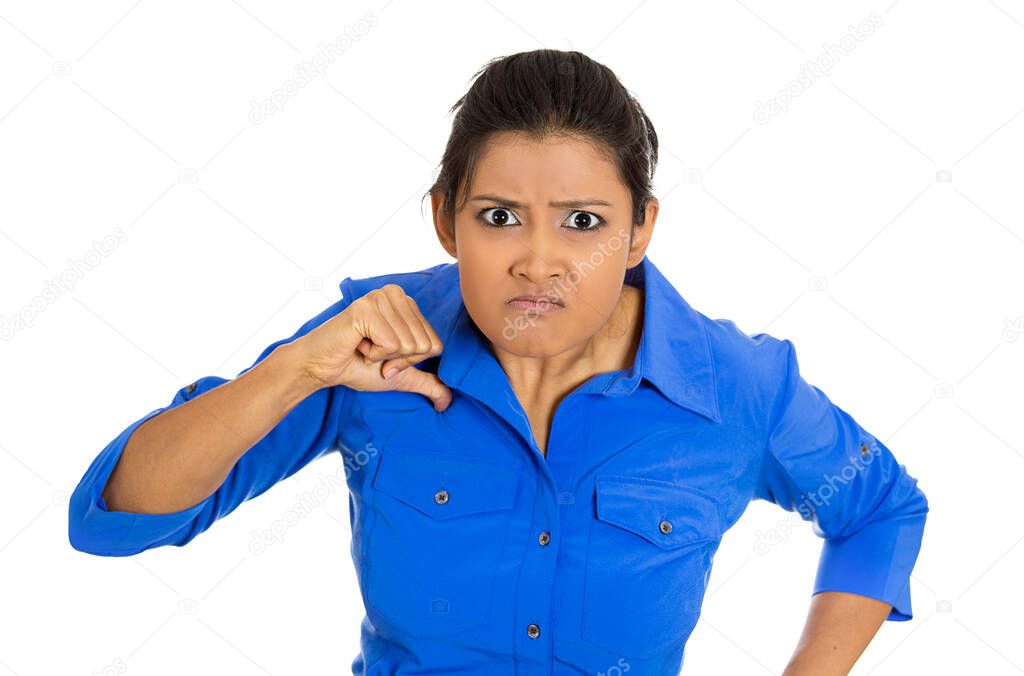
{"x": 379, "y": 331}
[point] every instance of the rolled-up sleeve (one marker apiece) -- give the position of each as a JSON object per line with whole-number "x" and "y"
{"x": 308, "y": 431}
{"x": 821, "y": 463}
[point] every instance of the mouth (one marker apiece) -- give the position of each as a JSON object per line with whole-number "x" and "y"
{"x": 533, "y": 303}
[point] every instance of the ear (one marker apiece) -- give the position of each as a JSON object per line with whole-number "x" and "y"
{"x": 642, "y": 233}
{"x": 443, "y": 225}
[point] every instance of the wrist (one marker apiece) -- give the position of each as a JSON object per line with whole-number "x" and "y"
{"x": 288, "y": 364}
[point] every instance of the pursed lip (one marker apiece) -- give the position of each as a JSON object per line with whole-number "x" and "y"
{"x": 553, "y": 300}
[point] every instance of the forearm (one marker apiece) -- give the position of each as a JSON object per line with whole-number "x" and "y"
{"x": 181, "y": 456}
{"x": 839, "y": 627}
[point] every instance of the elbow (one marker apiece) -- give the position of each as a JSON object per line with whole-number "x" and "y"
{"x": 915, "y": 504}
{"x": 78, "y": 530}
{"x": 80, "y": 537}
{"x": 92, "y": 529}
{"x": 906, "y": 500}
{"x": 87, "y": 541}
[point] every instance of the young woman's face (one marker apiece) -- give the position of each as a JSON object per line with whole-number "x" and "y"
{"x": 543, "y": 218}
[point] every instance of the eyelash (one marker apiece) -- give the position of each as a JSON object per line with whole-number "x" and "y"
{"x": 480, "y": 217}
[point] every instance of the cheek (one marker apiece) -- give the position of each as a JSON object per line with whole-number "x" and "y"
{"x": 482, "y": 278}
{"x": 468, "y": 241}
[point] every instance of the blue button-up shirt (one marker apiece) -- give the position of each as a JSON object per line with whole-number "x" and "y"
{"x": 475, "y": 554}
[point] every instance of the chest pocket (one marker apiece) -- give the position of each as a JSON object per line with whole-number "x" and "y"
{"x": 648, "y": 562}
{"x": 440, "y": 523}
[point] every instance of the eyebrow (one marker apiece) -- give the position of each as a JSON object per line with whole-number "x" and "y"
{"x": 565, "y": 204}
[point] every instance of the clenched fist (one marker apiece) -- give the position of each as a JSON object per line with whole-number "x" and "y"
{"x": 372, "y": 346}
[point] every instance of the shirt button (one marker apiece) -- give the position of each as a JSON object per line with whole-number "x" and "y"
{"x": 864, "y": 450}
{"x": 544, "y": 538}
{"x": 533, "y": 631}
{"x": 441, "y": 497}
{"x": 190, "y": 389}
{"x": 665, "y": 527}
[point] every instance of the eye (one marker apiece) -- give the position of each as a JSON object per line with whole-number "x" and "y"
{"x": 499, "y": 218}
{"x": 584, "y": 221}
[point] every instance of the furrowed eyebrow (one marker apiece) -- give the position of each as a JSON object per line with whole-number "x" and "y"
{"x": 564, "y": 204}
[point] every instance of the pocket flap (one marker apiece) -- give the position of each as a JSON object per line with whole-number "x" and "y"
{"x": 470, "y": 485}
{"x": 642, "y": 506}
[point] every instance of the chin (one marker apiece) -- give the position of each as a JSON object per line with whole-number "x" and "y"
{"x": 535, "y": 341}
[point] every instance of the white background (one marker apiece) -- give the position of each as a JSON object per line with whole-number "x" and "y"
{"x": 833, "y": 224}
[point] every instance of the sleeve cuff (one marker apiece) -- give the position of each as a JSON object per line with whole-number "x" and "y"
{"x": 876, "y": 562}
{"x": 94, "y": 529}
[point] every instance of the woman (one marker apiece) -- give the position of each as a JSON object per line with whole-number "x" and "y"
{"x": 543, "y": 441}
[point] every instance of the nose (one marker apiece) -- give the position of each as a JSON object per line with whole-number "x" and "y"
{"x": 540, "y": 256}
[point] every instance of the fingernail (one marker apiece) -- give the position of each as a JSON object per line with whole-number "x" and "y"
{"x": 390, "y": 372}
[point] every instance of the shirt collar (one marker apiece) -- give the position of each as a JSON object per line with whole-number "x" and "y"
{"x": 674, "y": 353}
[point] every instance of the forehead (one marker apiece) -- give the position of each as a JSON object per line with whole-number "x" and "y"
{"x": 566, "y": 166}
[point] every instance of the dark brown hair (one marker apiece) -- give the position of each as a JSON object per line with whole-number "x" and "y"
{"x": 545, "y": 92}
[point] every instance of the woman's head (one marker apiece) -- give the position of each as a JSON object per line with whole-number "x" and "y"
{"x": 545, "y": 188}
{"x": 545, "y": 92}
